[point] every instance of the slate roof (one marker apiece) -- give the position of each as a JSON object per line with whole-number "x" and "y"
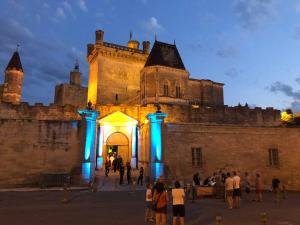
{"x": 163, "y": 54}
{"x": 15, "y": 62}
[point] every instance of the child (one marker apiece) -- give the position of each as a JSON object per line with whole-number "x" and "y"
{"x": 149, "y": 215}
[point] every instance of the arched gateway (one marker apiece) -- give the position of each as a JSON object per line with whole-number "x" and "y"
{"x": 118, "y": 134}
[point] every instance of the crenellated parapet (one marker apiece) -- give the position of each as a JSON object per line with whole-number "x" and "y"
{"x": 236, "y": 115}
{"x": 38, "y": 111}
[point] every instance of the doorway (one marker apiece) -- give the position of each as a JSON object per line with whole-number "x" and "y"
{"x": 118, "y": 143}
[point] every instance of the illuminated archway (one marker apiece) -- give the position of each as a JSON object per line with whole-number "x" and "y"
{"x": 117, "y": 123}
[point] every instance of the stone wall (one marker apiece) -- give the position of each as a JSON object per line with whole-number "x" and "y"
{"x": 30, "y": 147}
{"x": 70, "y": 94}
{"x": 36, "y": 139}
{"x": 230, "y": 147}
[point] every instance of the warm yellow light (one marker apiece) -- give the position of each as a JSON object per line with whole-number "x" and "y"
{"x": 92, "y": 85}
{"x": 118, "y": 119}
{"x": 286, "y": 117}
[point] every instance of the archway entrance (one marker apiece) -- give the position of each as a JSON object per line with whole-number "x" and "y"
{"x": 118, "y": 133}
{"x": 117, "y": 144}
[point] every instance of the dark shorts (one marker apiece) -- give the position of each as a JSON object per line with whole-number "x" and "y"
{"x": 161, "y": 210}
{"x": 178, "y": 210}
{"x": 148, "y": 205}
{"x": 237, "y": 192}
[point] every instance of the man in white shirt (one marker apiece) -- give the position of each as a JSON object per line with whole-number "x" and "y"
{"x": 229, "y": 190}
{"x": 236, "y": 190}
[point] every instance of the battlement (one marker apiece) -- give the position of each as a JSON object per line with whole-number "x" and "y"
{"x": 237, "y": 115}
{"x": 123, "y": 48}
{"x": 38, "y": 111}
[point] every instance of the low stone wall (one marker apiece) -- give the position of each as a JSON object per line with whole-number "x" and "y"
{"x": 229, "y": 147}
{"x": 30, "y": 147}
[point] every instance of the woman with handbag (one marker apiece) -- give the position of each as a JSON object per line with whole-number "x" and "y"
{"x": 160, "y": 203}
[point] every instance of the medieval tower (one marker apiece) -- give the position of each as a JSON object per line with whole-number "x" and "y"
{"x": 13, "y": 80}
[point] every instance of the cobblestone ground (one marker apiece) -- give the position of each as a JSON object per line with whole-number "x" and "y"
{"x": 125, "y": 208}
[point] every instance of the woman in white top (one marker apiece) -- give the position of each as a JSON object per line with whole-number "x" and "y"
{"x": 178, "y": 204}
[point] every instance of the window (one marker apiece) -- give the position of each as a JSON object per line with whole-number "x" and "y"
{"x": 273, "y": 157}
{"x": 197, "y": 157}
{"x": 178, "y": 93}
{"x": 166, "y": 90}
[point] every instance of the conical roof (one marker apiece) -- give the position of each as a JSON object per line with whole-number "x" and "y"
{"x": 15, "y": 62}
{"x": 164, "y": 54}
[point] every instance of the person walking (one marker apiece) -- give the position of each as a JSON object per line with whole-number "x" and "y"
{"x": 160, "y": 202}
{"x": 121, "y": 170}
{"x": 149, "y": 198}
{"x": 229, "y": 190}
{"x": 275, "y": 188}
{"x": 178, "y": 204}
{"x": 236, "y": 190}
{"x": 115, "y": 164}
{"x": 258, "y": 188}
{"x": 128, "y": 167}
{"x": 247, "y": 185}
{"x": 141, "y": 176}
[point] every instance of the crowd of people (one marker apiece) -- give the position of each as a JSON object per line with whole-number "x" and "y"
{"x": 232, "y": 184}
{"x": 115, "y": 163}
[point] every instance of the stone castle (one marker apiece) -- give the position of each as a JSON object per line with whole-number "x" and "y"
{"x": 145, "y": 107}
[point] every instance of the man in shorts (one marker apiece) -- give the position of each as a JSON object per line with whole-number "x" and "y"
{"x": 229, "y": 190}
{"x": 236, "y": 190}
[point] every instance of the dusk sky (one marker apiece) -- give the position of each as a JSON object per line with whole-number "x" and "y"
{"x": 253, "y": 46}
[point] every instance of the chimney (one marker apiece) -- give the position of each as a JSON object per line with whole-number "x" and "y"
{"x": 146, "y": 47}
{"x": 99, "y": 36}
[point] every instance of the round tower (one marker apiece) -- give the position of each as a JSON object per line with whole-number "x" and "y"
{"x": 13, "y": 80}
{"x": 75, "y": 75}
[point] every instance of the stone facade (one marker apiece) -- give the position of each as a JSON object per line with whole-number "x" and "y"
{"x": 145, "y": 94}
{"x": 37, "y": 139}
{"x": 233, "y": 147}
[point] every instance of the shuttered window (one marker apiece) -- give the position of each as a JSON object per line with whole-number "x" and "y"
{"x": 197, "y": 157}
{"x": 273, "y": 157}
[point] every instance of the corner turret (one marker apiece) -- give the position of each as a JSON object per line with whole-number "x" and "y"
{"x": 13, "y": 80}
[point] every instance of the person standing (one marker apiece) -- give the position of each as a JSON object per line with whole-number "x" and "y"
{"x": 121, "y": 169}
{"x": 160, "y": 202}
{"x": 149, "y": 198}
{"x": 258, "y": 188}
{"x": 107, "y": 167}
{"x": 229, "y": 190}
{"x": 141, "y": 176}
{"x": 247, "y": 185}
{"x": 236, "y": 190}
{"x": 128, "y": 167}
{"x": 115, "y": 164}
{"x": 275, "y": 188}
{"x": 178, "y": 204}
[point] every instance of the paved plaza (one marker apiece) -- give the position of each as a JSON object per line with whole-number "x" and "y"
{"x": 126, "y": 208}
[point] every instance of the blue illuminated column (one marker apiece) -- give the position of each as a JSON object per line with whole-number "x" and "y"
{"x": 134, "y": 147}
{"x": 156, "y": 150}
{"x": 88, "y": 163}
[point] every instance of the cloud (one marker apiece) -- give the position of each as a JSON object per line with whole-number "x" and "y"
{"x": 82, "y": 5}
{"x": 45, "y": 63}
{"x": 59, "y": 15}
{"x": 279, "y": 87}
{"x": 17, "y": 4}
{"x": 227, "y": 52}
{"x": 233, "y": 72}
{"x": 252, "y": 14}
{"x": 153, "y": 26}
